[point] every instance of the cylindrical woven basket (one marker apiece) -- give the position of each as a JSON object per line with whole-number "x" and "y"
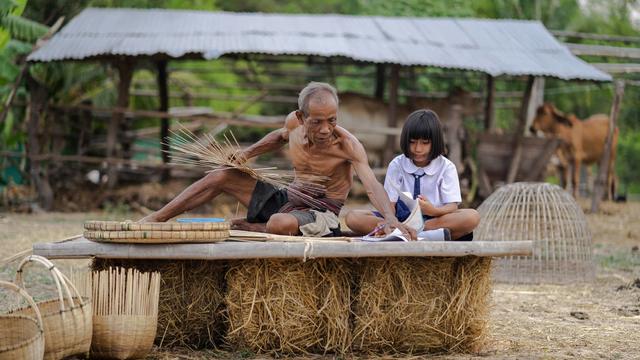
{"x": 125, "y": 312}
{"x": 21, "y": 336}
{"x": 548, "y": 216}
{"x": 67, "y": 327}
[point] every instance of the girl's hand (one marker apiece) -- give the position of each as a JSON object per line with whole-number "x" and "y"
{"x": 426, "y": 206}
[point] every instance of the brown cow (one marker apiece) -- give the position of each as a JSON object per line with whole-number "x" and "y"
{"x": 583, "y": 142}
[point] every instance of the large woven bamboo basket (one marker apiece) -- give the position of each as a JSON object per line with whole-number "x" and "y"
{"x": 125, "y": 312}
{"x": 551, "y": 218}
{"x": 155, "y": 233}
{"x": 21, "y": 336}
{"x": 66, "y": 318}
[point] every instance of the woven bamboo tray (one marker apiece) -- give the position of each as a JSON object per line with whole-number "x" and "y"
{"x": 95, "y": 225}
{"x": 156, "y": 237}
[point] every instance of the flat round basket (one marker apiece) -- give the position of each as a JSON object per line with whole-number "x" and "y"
{"x": 21, "y": 337}
{"x": 96, "y": 225}
{"x": 156, "y": 237}
{"x": 67, "y": 325}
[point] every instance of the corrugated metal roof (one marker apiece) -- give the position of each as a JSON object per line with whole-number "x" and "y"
{"x": 496, "y": 47}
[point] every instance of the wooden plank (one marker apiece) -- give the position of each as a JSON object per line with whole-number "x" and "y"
{"x": 603, "y": 166}
{"x": 591, "y": 36}
{"x": 519, "y": 134}
{"x": 394, "y": 79}
{"x": 604, "y": 50}
{"x": 613, "y": 68}
{"x": 83, "y": 248}
{"x": 163, "y": 97}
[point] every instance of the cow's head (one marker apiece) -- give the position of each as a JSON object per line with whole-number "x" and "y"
{"x": 547, "y": 117}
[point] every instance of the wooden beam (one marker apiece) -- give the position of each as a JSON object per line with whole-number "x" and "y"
{"x": 603, "y": 167}
{"x": 380, "y": 81}
{"x": 519, "y": 133}
{"x": 125, "y": 69}
{"x": 163, "y": 95}
{"x": 83, "y": 248}
{"x": 489, "y": 108}
{"x": 38, "y": 96}
{"x": 613, "y": 68}
{"x": 591, "y": 36}
{"x": 394, "y": 78}
{"x": 604, "y": 50}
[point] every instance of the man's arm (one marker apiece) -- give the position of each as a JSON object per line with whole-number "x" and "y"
{"x": 376, "y": 192}
{"x": 273, "y": 140}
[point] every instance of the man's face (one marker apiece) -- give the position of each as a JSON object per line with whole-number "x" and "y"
{"x": 322, "y": 119}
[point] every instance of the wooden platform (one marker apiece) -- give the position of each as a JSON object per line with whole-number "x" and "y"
{"x": 82, "y": 248}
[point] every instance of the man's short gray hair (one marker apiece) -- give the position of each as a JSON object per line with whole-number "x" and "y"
{"x": 312, "y": 89}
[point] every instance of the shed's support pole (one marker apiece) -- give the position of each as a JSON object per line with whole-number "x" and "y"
{"x": 125, "y": 73}
{"x": 380, "y": 77}
{"x": 489, "y": 108}
{"x": 163, "y": 94}
{"x": 537, "y": 98}
{"x": 604, "y": 173}
{"x": 37, "y": 105}
{"x": 393, "y": 111}
{"x": 519, "y": 133}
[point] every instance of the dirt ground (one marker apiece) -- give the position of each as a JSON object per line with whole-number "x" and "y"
{"x": 599, "y": 320}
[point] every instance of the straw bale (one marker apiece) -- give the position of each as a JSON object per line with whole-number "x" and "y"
{"x": 288, "y": 306}
{"x": 191, "y": 300}
{"x": 418, "y": 305}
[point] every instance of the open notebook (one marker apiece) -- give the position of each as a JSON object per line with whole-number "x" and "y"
{"x": 414, "y": 220}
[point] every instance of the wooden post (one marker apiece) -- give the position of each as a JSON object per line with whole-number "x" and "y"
{"x": 125, "y": 71}
{"x": 412, "y": 82}
{"x": 537, "y": 98}
{"x": 519, "y": 133}
{"x": 163, "y": 94}
{"x": 393, "y": 111}
{"x": 603, "y": 168}
{"x": 85, "y": 119}
{"x": 380, "y": 83}
{"x": 37, "y": 105}
{"x": 489, "y": 109}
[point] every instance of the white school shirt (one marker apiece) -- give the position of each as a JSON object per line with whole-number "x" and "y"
{"x": 440, "y": 185}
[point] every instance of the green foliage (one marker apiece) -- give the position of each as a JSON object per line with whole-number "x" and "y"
{"x": 23, "y": 29}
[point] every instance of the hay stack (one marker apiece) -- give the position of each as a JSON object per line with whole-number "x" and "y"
{"x": 191, "y": 300}
{"x": 289, "y": 306}
{"x": 417, "y": 305}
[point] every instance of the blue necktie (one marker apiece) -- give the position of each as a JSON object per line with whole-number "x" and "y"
{"x": 416, "y": 185}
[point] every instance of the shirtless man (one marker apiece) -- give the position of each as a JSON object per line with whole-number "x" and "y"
{"x": 317, "y": 146}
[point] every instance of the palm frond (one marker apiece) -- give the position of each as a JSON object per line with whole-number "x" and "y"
{"x": 24, "y": 29}
{"x": 206, "y": 151}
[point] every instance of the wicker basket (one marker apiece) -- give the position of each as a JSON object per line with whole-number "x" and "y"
{"x": 21, "y": 337}
{"x": 67, "y": 326}
{"x": 125, "y": 308}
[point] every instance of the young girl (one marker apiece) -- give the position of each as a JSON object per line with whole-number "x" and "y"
{"x": 423, "y": 171}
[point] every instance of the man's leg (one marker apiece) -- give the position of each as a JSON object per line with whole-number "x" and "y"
{"x": 459, "y": 222}
{"x": 230, "y": 181}
{"x": 362, "y": 222}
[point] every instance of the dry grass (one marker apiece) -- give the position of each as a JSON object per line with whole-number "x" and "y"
{"x": 289, "y": 306}
{"x": 417, "y": 305}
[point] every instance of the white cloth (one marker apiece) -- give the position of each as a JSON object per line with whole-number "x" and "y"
{"x": 440, "y": 185}
{"x": 325, "y": 221}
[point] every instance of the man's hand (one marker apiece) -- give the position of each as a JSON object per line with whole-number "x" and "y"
{"x": 407, "y": 232}
{"x": 238, "y": 157}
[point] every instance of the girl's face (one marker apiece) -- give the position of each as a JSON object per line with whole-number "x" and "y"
{"x": 420, "y": 150}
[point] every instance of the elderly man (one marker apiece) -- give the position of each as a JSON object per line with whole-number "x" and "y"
{"x": 317, "y": 146}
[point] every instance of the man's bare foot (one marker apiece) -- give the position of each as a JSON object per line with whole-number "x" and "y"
{"x": 243, "y": 224}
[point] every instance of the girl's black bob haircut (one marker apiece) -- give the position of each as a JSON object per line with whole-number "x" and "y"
{"x": 423, "y": 124}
